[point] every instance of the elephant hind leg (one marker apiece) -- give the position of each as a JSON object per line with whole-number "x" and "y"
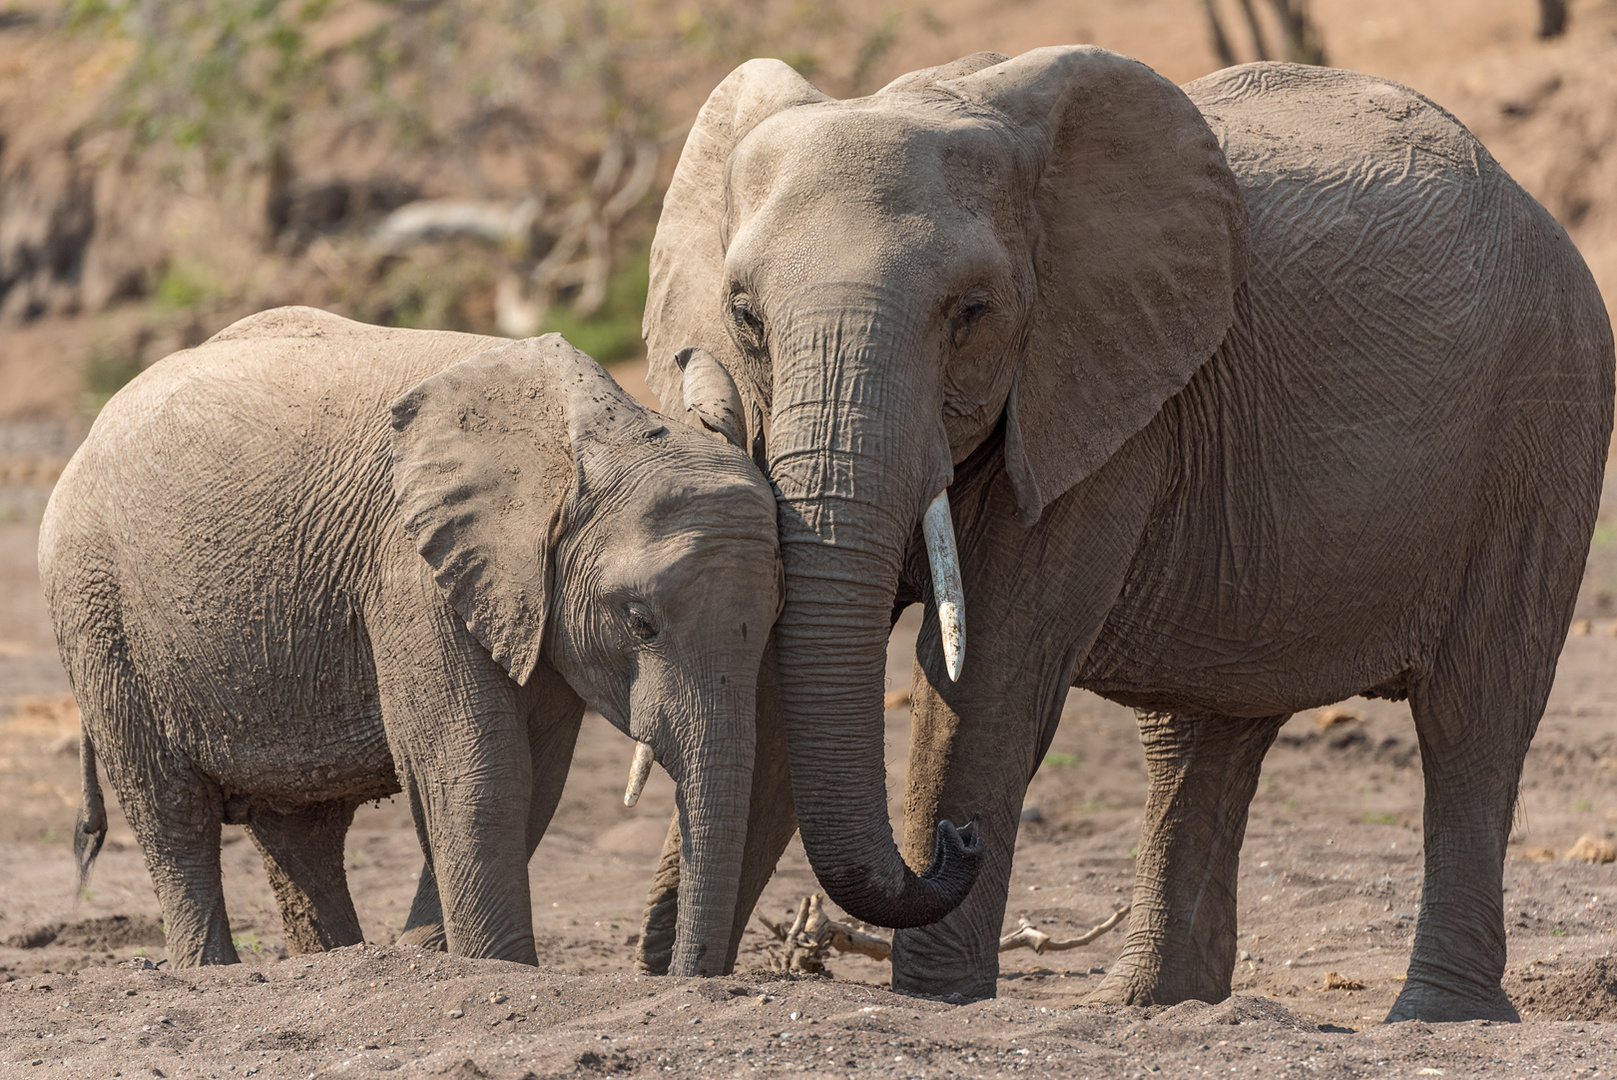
{"x": 303, "y": 857}
{"x": 1476, "y": 709}
{"x": 1204, "y": 771}
{"x": 176, "y": 816}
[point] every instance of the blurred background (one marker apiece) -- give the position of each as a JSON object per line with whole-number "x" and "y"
{"x": 169, "y": 166}
{"x": 497, "y": 166}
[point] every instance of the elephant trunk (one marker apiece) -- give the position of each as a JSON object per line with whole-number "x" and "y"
{"x": 714, "y": 790}
{"x": 856, "y": 456}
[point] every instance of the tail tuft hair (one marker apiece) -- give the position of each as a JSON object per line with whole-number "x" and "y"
{"x": 90, "y": 831}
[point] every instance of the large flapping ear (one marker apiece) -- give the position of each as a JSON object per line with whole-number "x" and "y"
{"x": 1142, "y": 244}
{"x": 483, "y": 461}
{"x": 685, "y": 304}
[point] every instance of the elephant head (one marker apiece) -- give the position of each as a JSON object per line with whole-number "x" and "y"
{"x": 569, "y": 525}
{"x": 1051, "y": 243}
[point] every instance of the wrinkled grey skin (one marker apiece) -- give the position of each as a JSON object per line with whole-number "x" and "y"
{"x": 1247, "y": 401}
{"x": 263, "y": 581}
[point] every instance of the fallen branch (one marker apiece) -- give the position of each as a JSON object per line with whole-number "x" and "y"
{"x": 1028, "y": 936}
{"x": 811, "y": 936}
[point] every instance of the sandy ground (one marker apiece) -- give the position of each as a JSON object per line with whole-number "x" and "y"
{"x": 1330, "y": 882}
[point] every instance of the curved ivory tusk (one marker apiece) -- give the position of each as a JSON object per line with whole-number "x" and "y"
{"x": 941, "y": 556}
{"x": 637, "y": 774}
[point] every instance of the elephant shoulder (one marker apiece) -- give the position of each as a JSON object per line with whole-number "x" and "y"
{"x": 1278, "y": 121}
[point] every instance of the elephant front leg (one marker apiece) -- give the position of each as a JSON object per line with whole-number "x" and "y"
{"x": 1181, "y": 943}
{"x": 463, "y": 753}
{"x": 424, "y": 926}
{"x": 552, "y": 735}
{"x": 974, "y": 772}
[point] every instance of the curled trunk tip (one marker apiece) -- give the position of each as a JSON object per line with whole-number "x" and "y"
{"x": 956, "y": 861}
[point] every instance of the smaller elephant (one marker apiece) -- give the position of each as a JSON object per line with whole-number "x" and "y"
{"x": 311, "y": 563}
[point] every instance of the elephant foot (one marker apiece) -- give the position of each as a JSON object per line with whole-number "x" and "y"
{"x": 1435, "y": 1004}
{"x": 1128, "y": 984}
{"x": 933, "y": 962}
{"x": 955, "y": 993}
{"x": 429, "y": 936}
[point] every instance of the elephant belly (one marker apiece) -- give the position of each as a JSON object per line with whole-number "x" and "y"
{"x": 1310, "y": 548}
{"x": 1147, "y": 661}
{"x": 287, "y": 713}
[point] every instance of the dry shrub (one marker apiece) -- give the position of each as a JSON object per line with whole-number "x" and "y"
{"x": 1591, "y": 849}
{"x": 1332, "y": 715}
{"x": 1333, "y": 981}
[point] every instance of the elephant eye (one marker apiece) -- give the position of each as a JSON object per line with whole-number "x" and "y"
{"x": 746, "y": 319}
{"x": 640, "y": 624}
{"x": 970, "y": 312}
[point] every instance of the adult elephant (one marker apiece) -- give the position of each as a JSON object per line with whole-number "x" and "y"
{"x": 1248, "y": 398}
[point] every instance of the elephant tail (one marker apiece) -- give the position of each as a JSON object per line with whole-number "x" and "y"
{"x": 90, "y": 832}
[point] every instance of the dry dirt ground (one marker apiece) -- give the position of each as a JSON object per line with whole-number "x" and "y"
{"x": 1330, "y": 883}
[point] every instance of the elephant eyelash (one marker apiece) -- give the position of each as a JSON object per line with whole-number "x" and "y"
{"x": 746, "y": 319}
{"x": 967, "y": 314}
{"x": 640, "y": 622}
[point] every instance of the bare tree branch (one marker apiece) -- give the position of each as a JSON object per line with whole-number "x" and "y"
{"x": 811, "y": 936}
{"x": 1552, "y": 17}
{"x": 1221, "y": 44}
{"x": 1260, "y": 46}
{"x": 1027, "y": 936}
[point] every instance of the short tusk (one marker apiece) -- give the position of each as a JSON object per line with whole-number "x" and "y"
{"x": 941, "y": 556}
{"x": 637, "y": 774}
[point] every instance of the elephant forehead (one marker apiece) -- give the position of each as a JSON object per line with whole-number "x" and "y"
{"x": 711, "y": 488}
{"x": 896, "y": 156}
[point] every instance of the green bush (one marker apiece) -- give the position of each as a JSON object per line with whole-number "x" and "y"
{"x": 105, "y": 373}
{"x": 613, "y": 332}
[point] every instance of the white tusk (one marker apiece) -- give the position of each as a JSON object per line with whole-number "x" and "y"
{"x": 637, "y": 774}
{"x": 941, "y": 556}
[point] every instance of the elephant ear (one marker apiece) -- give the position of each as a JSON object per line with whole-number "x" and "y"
{"x": 685, "y": 303}
{"x": 1142, "y": 243}
{"x": 928, "y": 78}
{"x": 483, "y": 463}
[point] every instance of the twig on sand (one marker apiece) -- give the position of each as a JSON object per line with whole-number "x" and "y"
{"x": 812, "y": 934}
{"x": 1027, "y": 936}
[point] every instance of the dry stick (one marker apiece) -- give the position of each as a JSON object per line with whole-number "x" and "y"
{"x": 1027, "y": 936}
{"x": 1215, "y": 29}
{"x": 812, "y": 935}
